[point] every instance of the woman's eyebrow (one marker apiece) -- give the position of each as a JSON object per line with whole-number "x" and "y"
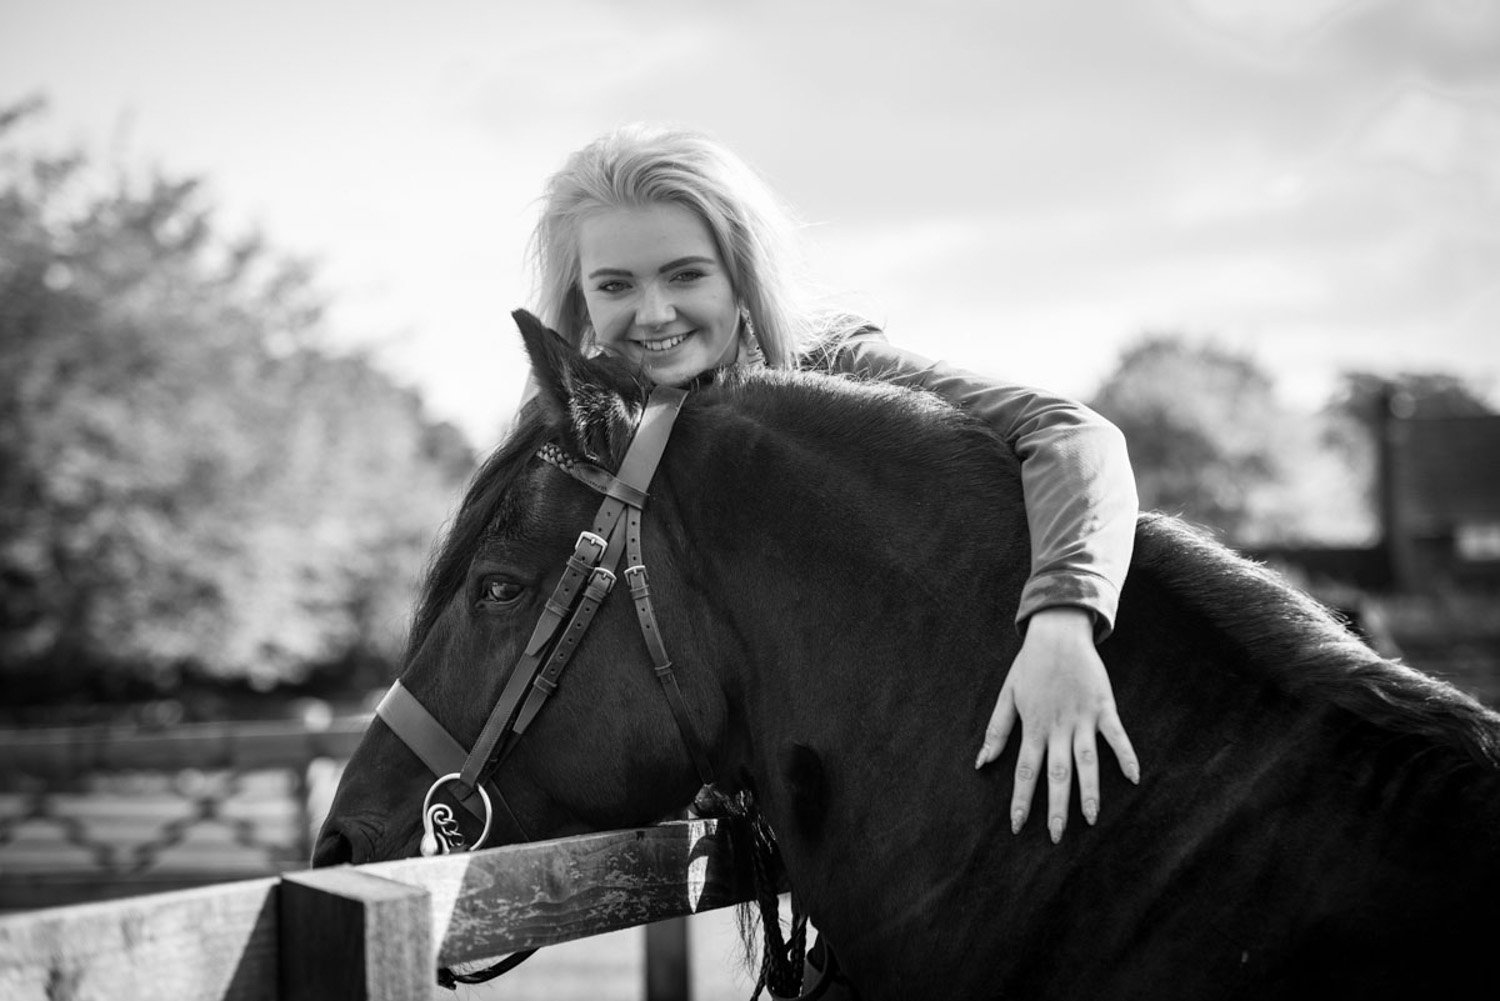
{"x": 669, "y": 266}
{"x": 679, "y": 262}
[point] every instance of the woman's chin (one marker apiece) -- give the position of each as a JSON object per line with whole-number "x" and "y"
{"x": 675, "y": 370}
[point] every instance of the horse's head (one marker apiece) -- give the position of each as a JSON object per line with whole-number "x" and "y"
{"x": 605, "y": 750}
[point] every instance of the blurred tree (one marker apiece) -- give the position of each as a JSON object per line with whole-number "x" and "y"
{"x": 1414, "y": 394}
{"x": 186, "y": 479}
{"x": 1209, "y": 439}
{"x": 1202, "y": 423}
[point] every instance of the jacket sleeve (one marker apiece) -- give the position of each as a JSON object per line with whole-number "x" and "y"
{"x": 1080, "y": 494}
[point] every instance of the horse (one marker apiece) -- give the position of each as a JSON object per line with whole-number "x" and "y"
{"x": 834, "y": 565}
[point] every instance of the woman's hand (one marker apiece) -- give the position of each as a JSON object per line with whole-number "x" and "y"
{"x": 1060, "y": 692}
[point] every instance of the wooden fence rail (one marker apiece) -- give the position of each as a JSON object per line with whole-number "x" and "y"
{"x": 375, "y": 931}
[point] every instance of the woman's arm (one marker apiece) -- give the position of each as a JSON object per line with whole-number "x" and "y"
{"x": 1081, "y": 507}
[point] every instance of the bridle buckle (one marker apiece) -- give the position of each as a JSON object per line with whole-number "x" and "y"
{"x": 596, "y": 540}
{"x": 602, "y": 580}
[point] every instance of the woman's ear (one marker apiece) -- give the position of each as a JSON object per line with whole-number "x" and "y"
{"x": 594, "y": 402}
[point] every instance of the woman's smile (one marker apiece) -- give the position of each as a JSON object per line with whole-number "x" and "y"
{"x": 665, "y": 343}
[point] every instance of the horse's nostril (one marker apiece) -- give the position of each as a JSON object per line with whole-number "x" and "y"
{"x": 332, "y": 849}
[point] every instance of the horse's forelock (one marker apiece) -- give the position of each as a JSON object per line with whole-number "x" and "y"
{"x": 600, "y": 416}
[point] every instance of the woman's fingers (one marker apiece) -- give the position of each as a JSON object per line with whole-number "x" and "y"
{"x": 998, "y": 732}
{"x": 1059, "y": 781}
{"x": 1114, "y": 734}
{"x": 1068, "y": 749}
{"x": 1028, "y": 767}
{"x": 1085, "y": 753}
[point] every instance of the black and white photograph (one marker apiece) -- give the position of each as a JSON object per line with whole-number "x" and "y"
{"x": 638, "y": 501}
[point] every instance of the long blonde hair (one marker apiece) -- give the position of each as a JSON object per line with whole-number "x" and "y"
{"x": 641, "y": 165}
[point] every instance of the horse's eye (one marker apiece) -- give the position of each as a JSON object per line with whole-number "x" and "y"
{"x": 500, "y": 592}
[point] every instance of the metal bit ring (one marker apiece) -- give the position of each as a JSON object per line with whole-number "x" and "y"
{"x": 440, "y": 833}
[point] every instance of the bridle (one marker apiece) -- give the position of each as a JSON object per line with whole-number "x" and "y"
{"x": 586, "y": 581}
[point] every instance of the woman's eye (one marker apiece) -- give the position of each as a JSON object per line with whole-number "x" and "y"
{"x": 500, "y": 592}
{"x": 612, "y": 286}
{"x": 687, "y": 276}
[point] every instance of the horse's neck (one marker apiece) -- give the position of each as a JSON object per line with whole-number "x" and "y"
{"x": 869, "y": 599}
{"x": 872, "y": 599}
{"x": 872, "y": 638}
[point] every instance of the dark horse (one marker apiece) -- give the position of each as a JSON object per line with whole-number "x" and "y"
{"x": 835, "y": 566}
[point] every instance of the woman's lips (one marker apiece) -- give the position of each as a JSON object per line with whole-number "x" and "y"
{"x": 664, "y": 343}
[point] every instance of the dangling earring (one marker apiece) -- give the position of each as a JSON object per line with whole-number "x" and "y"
{"x": 588, "y": 343}
{"x": 750, "y": 351}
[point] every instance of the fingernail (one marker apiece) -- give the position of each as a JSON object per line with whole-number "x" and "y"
{"x": 1055, "y": 825}
{"x": 1134, "y": 773}
{"x": 979, "y": 761}
{"x": 1090, "y": 811}
{"x": 1016, "y": 820}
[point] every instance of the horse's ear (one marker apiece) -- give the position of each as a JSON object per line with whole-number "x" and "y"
{"x": 593, "y": 402}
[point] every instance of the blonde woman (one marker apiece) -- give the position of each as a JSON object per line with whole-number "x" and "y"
{"x": 662, "y": 247}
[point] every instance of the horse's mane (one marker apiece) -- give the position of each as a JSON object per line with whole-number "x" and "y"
{"x": 1302, "y": 648}
{"x": 910, "y": 428}
{"x": 487, "y": 490}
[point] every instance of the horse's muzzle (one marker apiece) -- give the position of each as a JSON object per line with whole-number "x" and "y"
{"x": 332, "y": 849}
{"x": 344, "y": 841}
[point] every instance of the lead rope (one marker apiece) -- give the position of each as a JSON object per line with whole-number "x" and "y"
{"x": 447, "y": 978}
{"x": 783, "y": 957}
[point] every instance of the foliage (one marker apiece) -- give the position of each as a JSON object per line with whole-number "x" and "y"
{"x": 187, "y": 480}
{"x": 1199, "y": 421}
{"x": 1416, "y": 395}
{"x": 1210, "y": 439}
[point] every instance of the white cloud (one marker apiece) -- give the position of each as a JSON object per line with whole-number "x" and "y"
{"x": 1440, "y": 134}
{"x": 1268, "y": 23}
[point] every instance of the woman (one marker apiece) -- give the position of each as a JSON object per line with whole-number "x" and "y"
{"x": 664, "y": 248}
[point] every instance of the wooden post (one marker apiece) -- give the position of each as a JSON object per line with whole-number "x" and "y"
{"x": 668, "y": 961}
{"x": 346, "y": 935}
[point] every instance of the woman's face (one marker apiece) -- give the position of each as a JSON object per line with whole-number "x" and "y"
{"x": 657, "y": 292}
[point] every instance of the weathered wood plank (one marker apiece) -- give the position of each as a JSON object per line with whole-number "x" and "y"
{"x": 62, "y": 754}
{"x": 32, "y": 892}
{"x": 207, "y": 944}
{"x": 503, "y": 900}
{"x": 383, "y": 927}
{"x": 349, "y": 936}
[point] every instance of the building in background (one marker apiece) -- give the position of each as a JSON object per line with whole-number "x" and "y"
{"x": 1428, "y": 589}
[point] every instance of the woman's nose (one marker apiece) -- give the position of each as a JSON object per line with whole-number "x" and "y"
{"x": 655, "y": 309}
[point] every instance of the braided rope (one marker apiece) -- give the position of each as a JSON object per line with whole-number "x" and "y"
{"x": 782, "y": 956}
{"x": 556, "y": 455}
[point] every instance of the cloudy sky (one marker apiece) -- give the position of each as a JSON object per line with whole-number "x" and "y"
{"x": 1018, "y": 188}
